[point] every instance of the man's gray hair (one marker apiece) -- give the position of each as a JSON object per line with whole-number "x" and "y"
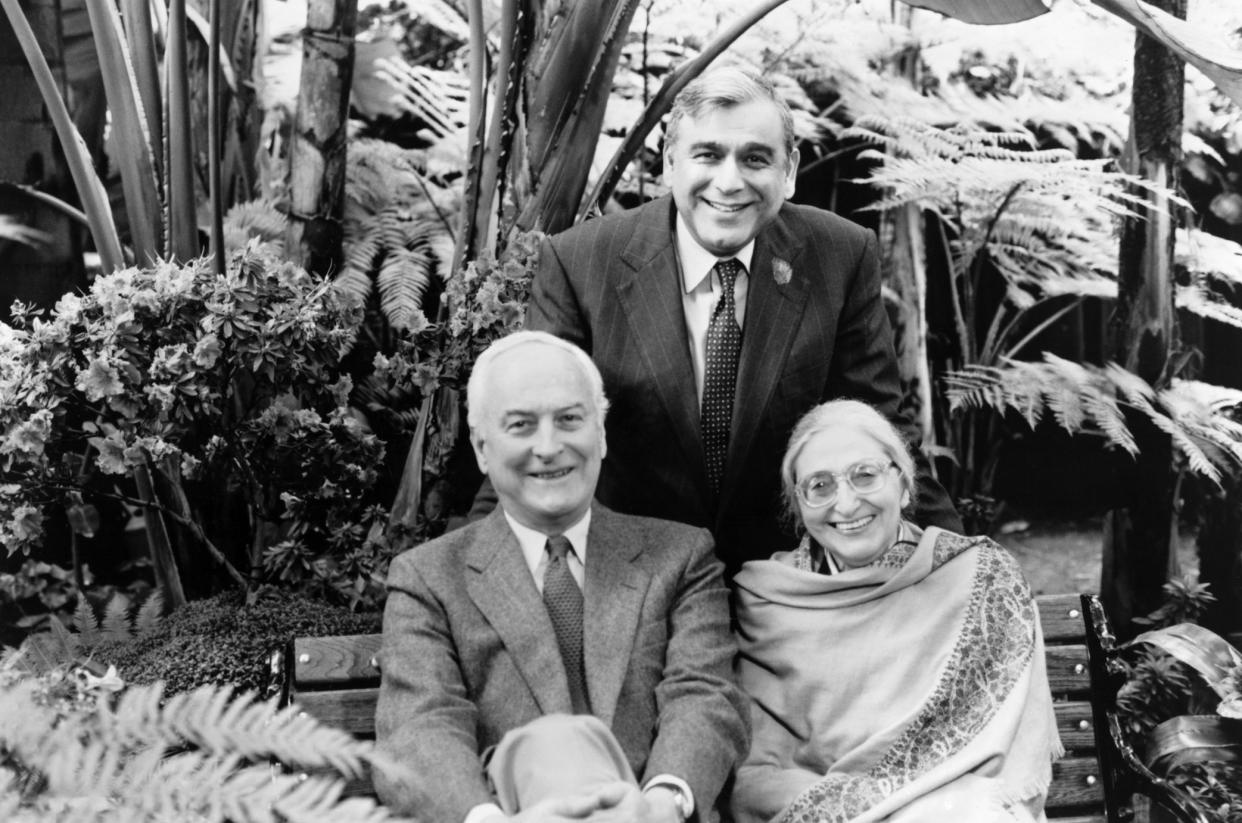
{"x": 723, "y": 88}
{"x": 483, "y": 366}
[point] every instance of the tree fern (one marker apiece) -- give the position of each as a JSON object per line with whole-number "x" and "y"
{"x": 1080, "y": 397}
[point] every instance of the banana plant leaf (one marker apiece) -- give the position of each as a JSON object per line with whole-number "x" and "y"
{"x": 1193, "y": 739}
{"x": 182, "y": 239}
{"x": 90, "y": 189}
{"x": 985, "y": 12}
{"x": 129, "y": 128}
{"x": 1207, "y": 50}
{"x": 1201, "y": 649}
{"x": 140, "y": 35}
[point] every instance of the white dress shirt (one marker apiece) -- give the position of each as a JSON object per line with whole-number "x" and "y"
{"x": 534, "y": 552}
{"x": 700, "y": 292}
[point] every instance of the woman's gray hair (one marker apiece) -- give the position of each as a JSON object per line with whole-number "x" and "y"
{"x": 724, "y": 88}
{"x": 483, "y": 366}
{"x": 854, "y": 414}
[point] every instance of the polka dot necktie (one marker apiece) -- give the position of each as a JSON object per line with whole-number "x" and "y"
{"x": 724, "y": 344}
{"x": 563, "y": 599}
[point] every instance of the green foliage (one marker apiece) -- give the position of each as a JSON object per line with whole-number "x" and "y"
{"x": 1087, "y": 398}
{"x": 73, "y": 749}
{"x": 1181, "y": 702}
{"x": 35, "y": 591}
{"x": 225, "y": 639}
{"x": 1044, "y": 218}
{"x": 231, "y": 382}
{"x": 486, "y": 302}
{"x": 1215, "y": 787}
{"x": 398, "y": 235}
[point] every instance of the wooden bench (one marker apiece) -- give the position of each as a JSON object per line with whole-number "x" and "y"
{"x": 336, "y": 680}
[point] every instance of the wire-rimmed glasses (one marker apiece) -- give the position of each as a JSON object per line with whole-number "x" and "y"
{"x": 821, "y": 488}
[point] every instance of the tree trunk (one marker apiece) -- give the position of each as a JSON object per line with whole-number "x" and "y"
{"x": 317, "y": 152}
{"x": 1138, "y": 539}
{"x": 905, "y": 272}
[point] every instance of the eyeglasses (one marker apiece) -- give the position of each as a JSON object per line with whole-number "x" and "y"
{"x": 820, "y": 489}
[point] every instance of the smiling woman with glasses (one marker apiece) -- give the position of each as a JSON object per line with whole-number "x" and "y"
{"x": 896, "y": 674}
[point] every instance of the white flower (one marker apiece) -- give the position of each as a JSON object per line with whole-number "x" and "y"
{"x": 27, "y": 523}
{"x": 207, "y": 351}
{"x": 111, "y": 458}
{"x": 99, "y": 379}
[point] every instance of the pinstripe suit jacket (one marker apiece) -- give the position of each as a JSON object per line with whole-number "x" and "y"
{"x": 469, "y": 652}
{"x": 816, "y": 329}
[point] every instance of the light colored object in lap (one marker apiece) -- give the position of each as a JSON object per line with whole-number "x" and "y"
{"x": 554, "y": 756}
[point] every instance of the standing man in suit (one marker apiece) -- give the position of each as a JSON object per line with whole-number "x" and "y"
{"x": 718, "y": 316}
{"x": 555, "y": 661}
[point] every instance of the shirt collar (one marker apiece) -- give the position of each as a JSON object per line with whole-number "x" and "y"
{"x": 533, "y": 542}
{"x": 696, "y": 261}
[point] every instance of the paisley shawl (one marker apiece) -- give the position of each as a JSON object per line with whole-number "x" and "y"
{"x": 910, "y": 689}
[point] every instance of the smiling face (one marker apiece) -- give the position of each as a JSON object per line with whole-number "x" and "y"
{"x": 540, "y": 439}
{"x": 856, "y": 528}
{"x": 729, "y": 173}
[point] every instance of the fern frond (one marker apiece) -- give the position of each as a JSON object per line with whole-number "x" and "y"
{"x": 85, "y": 621}
{"x": 150, "y": 614}
{"x": 115, "y": 624}
{"x": 260, "y": 797}
{"x": 1206, "y": 256}
{"x": 256, "y": 219}
{"x": 1198, "y": 297}
{"x": 402, "y": 281}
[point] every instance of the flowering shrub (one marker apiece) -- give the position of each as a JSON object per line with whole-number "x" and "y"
{"x": 220, "y": 385}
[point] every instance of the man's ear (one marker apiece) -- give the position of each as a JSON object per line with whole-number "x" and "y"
{"x": 791, "y": 174}
{"x": 476, "y": 442}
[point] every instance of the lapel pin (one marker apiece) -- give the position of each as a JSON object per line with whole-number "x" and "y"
{"x": 782, "y": 272}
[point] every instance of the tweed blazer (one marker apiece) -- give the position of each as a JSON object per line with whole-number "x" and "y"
{"x": 469, "y": 653}
{"x": 816, "y": 329}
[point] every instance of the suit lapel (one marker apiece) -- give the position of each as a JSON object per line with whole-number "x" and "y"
{"x": 775, "y": 302}
{"x": 504, "y": 591}
{"x": 650, "y": 294}
{"x": 613, "y": 599}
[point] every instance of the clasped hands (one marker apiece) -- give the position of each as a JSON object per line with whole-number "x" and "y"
{"x": 617, "y": 802}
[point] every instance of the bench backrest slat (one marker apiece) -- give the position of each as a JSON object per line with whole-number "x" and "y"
{"x": 339, "y": 662}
